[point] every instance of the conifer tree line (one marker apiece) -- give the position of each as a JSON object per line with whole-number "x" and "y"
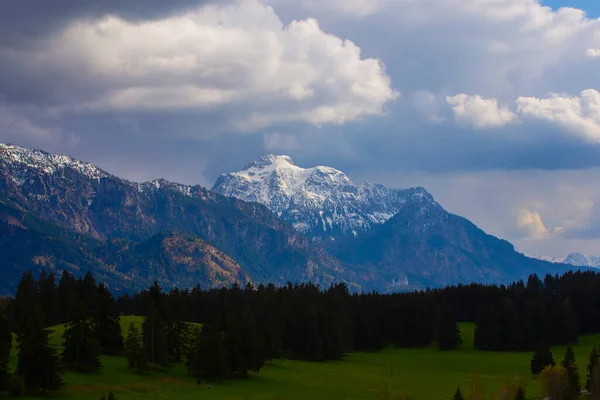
{"x": 92, "y": 328}
{"x": 241, "y": 328}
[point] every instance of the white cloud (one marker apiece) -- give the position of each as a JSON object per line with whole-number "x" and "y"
{"x": 531, "y": 224}
{"x": 480, "y": 112}
{"x": 237, "y": 55}
{"x": 496, "y": 48}
{"x": 593, "y": 53}
{"x": 579, "y": 114}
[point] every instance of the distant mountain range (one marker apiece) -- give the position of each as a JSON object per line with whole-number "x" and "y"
{"x": 575, "y": 259}
{"x": 271, "y": 222}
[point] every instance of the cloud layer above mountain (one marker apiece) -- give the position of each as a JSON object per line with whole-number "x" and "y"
{"x": 187, "y": 89}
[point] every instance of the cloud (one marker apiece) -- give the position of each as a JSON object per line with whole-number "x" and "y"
{"x": 16, "y": 126}
{"x": 593, "y": 53}
{"x": 578, "y": 114}
{"x": 220, "y": 57}
{"x": 480, "y": 112}
{"x": 531, "y": 224}
{"x": 280, "y": 141}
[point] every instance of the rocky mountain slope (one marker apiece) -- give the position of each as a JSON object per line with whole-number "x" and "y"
{"x": 321, "y": 201}
{"x": 85, "y": 200}
{"x": 57, "y": 212}
{"x": 402, "y": 239}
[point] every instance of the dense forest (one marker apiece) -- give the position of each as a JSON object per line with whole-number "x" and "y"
{"x": 229, "y": 332}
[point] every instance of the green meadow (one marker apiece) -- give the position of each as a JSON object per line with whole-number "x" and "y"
{"x": 424, "y": 374}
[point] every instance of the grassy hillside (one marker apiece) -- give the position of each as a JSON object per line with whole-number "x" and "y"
{"x": 426, "y": 374}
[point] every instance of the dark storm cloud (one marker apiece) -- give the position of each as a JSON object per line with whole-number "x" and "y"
{"x": 23, "y": 20}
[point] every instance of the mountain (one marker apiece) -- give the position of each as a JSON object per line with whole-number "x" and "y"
{"x": 60, "y": 213}
{"x": 576, "y": 259}
{"x": 424, "y": 245}
{"x": 321, "y": 202}
{"x": 400, "y": 238}
{"x": 79, "y": 200}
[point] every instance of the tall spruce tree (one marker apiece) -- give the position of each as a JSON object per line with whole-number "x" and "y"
{"x": 592, "y": 363}
{"x": 448, "y": 335}
{"x": 68, "y": 296}
{"x": 207, "y": 356}
{"x": 134, "y": 350}
{"x": 107, "y": 323}
{"x": 38, "y": 363}
{"x": 5, "y": 347}
{"x": 570, "y": 366}
{"x": 177, "y": 330}
{"x": 154, "y": 330}
{"x": 541, "y": 359}
{"x": 81, "y": 347}
{"x": 48, "y": 298}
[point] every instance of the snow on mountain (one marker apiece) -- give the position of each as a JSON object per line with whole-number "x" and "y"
{"x": 48, "y": 163}
{"x": 575, "y": 259}
{"x": 319, "y": 201}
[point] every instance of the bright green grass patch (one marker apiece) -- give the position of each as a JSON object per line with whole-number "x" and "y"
{"x": 426, "y": 374}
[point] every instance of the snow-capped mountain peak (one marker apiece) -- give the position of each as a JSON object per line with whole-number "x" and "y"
{"x": 575, "y": 259}
{"x": 46, "y": 162}
{"x": 320, "y": 201}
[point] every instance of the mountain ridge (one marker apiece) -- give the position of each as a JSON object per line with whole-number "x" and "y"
{"x": 320, "y": 201}
{"x": 184, "y": 235}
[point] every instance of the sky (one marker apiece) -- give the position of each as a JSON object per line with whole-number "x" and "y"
{"x": 491, "y": 105}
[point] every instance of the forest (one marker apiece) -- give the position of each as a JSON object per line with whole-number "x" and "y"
{"x": 226, "y": 333}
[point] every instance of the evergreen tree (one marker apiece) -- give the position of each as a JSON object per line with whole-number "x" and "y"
{"x": 134, "y": 349}
{"x": 48, "y": 298}
{"x": 68, "y": 296}
{"x": 448, "y": 334}
{"x": 244, "y": 346}
{"x": 177, "y": 330}
{"x": 107, "y": 323}
{"x": 5, "y": 347}
{"x": 458, "y": 395}
{"x": 38, "y": 362}
{"x": 81, "y": 347}
{"x": 88, "y": 293}
{"x": 207, "y": 357}
{"x": 154, "y": 333}
{"x": 593, "y": 362}
{"x": 570, "y": 366}
{"x": 541, "y": 359}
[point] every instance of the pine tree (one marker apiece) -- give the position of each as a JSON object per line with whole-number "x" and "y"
{"x": 541, "y": 359}
{"x": 207, "y": 357}
{"x": 134, "y": 349}
{"x": 5, "y": 347}
{"x": 88, "y": 293}
{"x": 458, "y": 395}
{"x": 593, "y": 362}
{"x": 107, "y": 323}
{"x": 38, "y": 362}
{"x": 81, "y": 347}
{"x": 154, "y": 333}
{"x": 177, "y": 330}
{"x": 68, "y": 296}
{"x": 448, "y": 334}
{"x": 570, "y": 366}
{"x": 48, "y": 298}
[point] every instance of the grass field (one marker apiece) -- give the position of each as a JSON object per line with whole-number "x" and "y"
{"x": 425, "y": 374}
